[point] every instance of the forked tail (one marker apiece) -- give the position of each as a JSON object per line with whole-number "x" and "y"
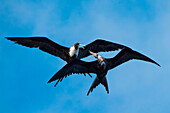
{"x": 96, "y": 82}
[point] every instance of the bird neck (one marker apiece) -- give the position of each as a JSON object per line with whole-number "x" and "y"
{"x": 76, "y": 47}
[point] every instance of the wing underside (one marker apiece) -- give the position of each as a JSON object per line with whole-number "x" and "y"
{"x": 43, "y": 44}
{"x": 126, "y": 55}
{"x": 99, "y": 46}
{"x": 74, "y": 67}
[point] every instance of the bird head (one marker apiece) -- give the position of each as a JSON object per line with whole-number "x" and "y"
{"x": 77, "y": 45}
{"x": 94, "y": 54}
{"x": 99, "y": 57}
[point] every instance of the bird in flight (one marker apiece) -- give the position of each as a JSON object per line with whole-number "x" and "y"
{"x": 77, "y": 51}
{"x": 100, "y": 67}
{"x": 68, "y": 54}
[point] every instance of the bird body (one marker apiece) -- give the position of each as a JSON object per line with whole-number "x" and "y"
{"x": 72, "y": 51}
{"x": 101, "y": 73}
{"x": 72, "y": 56}
{"x": 100, "y": 67}
{"x": 68, "y": 54}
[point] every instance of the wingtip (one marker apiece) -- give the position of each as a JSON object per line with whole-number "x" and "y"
{"x": 145, "y": 58}
{"x": 48, "y": 82}
{"x": 7, "y": 38}
{"x": 10, "y": 38}
{"x": 88, "y": 93}
{"x": 157, "y": 64}
{"x": 51, "y": 80}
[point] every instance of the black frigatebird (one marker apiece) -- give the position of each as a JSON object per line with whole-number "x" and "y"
{"x": 100, "y": 67}
{"x": 66, "y": 53}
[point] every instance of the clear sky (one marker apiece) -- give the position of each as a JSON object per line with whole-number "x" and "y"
{"x": 135, "y": 86}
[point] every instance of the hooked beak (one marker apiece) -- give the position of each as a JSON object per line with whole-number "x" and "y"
{"x": 83, "y": 46}
{"x": 94, "y": 54}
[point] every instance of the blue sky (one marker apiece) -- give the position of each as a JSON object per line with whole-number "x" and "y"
{"x": 135, "y": 86}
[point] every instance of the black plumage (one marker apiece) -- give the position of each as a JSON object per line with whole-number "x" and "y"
{"x": 79, "y": 66}
{"x": 72, "y": 56}
{"x": 43, "y": 44}
{"x": 99, "y": 45}
{"x": 46, "y": 45}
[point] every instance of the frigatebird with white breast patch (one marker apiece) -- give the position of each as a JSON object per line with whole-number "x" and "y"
{"x": 68, "y": 54}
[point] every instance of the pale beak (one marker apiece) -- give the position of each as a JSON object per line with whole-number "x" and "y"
{"x": 83, "y": 46}
{"x": 94, "y": 54}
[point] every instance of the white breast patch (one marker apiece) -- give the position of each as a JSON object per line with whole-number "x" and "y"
{"x": 72, "y": 51}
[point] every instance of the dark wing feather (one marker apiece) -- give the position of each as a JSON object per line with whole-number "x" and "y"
{"x": 99, "y": 46}
{"x": 76, "y": 66}
{"x": 126, "y": 55}
{"x": 43, "y": 44}
{"x": 96, "y": 82}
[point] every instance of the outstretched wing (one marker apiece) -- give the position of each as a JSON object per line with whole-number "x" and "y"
{"x": 43, "y": 44}
{"x": 99, "y": 46}
{"x": 126, "y": 55}
{"x": 76, "y": 66}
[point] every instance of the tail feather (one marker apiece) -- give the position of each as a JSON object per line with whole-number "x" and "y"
{"x": 96, "y": 82}
{"x": 104, "y": 82}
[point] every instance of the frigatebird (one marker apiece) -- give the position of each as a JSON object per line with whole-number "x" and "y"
{"x": 100, "y": 67}
{"x": 66, "y": 53}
